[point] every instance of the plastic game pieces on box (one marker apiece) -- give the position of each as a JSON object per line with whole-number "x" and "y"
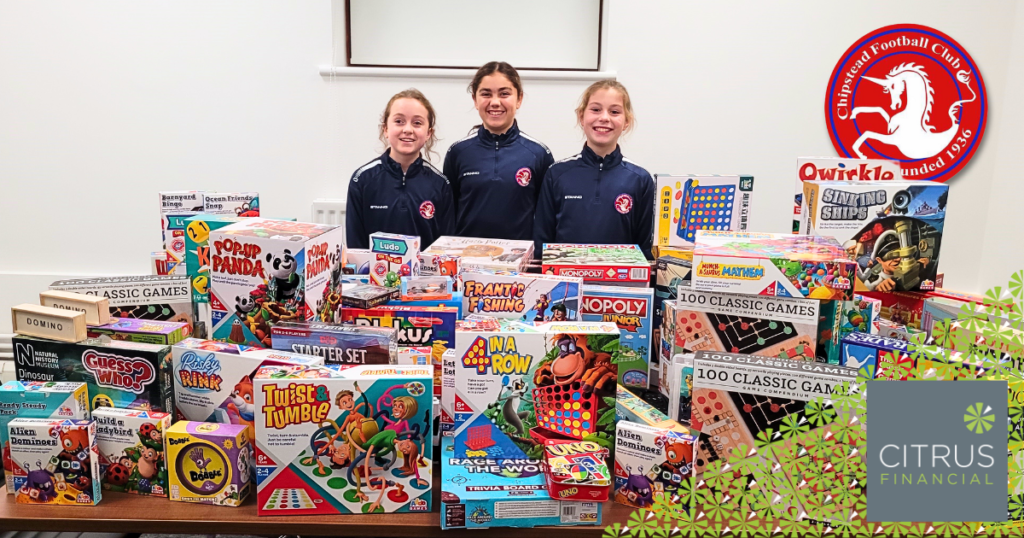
{"x": 772, "y": 264}
{"x": 577, "y": 471}
{"x": 838, "y": 169}
{"x": 161, "y": 298}
{"x": 54, "y": 461}
{"x": 338, "y": 344}
{"x": 144, "y": 331}
{"x": 651, "y": 462}
{"x": 631, "y": 309}
{"x": 209, "y": 463}
{"x": 346, "y": 442}
{"x": 521, "y": 296}
{"x": 476, "y": 253}
{"x": 131, "y": 450}
{"x": 687, "y": 204}
{"x": 393, "y": 256}
{"x": 624, "y": 265}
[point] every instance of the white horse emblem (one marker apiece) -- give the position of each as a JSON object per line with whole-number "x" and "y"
{"x": 910, "y": 130}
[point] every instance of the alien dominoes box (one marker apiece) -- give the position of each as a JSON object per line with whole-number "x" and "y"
{"x": 54, "y": 461}
{"x": 651, "y": 461}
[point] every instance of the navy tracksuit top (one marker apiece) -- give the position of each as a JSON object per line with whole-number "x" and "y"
{"x": 496, "y": 180}
{"x": 589, "y": 199}
{"x": 383, "y": 199}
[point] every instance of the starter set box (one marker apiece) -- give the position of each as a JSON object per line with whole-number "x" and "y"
{"x": 354, "y": 441}
{"x": 838, "y": 169}
{"x": 770, "y": 326}
{"x": 338, "y": 344}
{"x": 785, "y": 265}
{"x": 118, "y": 374}
{"x": 161, "y": 298}
{"x": 893, "y": 229}
{"x": 209, "y": 463}
{"x": 144, "y": 331}
{"x": 54, "y": 461}
{"x": 624, "y": 265}
{"x": 37, "y": 399}
{"x": 393, "y": 256}
{"x": 631, "y": 309}
{"x": 476, "y": 253}
{"x": 266, "y": 271}
{"x": 131, "y": 450}
{"x": 521, "y": 296}
{"x": 690, "y": 203}
{"x": 651, "y": 462}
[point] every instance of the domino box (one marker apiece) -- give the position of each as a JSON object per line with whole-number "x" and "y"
{"x": 521, "y": 296}
{"x": 838, "y": 169}
{"x": 50, "y": 323}
{"x": 54, "y": 461}
{"x": 631, "y": 309}
{"x": 161, "y": 298}
{"x": 690, "y": 203}
{"x": 131, "y": 450}
{"x": 96, "y": 309}
{"x": 475, "y": 253}
{"x": 394, "y": 256}
{"x": 338, "y": 344}
{"x": 623, "y": 265}
{"x": 651, "y": 462}
{"x": 209, "y": 463}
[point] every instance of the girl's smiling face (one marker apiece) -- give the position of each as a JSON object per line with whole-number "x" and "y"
{"x": 604, "y": 120}
{"x": 497, "y": 101}
{"x": 408, "y": 128}
{"x": 398, "y": 408}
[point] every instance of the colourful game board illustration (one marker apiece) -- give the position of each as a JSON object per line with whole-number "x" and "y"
{"x": 288, "y": 499}
{"x": 744, "y": 335}
{"x": 706, "y": 208}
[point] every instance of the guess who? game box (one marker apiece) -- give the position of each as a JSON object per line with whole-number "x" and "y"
{"x": 356, "y": 441}
{"x": 769, "y": 326}
{"x": 161, "y": 298}
{"x": 521, "y": 296}
{"x": 37, "y": 399}
{"x": 209, "y": 463}
{"x": 631, "y": 309}
{"x": 687, "y": 204}
{"x": 772, "y": 264}
{"x": 897, "y": 222}
{"x": 265, "y": 271}
{"x": 837, "y": 169}
{"x": 598, "y": 264}
{"x": 131, "y": 450}
{"x": 54, "y": 461}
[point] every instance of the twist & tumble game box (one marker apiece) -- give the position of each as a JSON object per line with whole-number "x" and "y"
{"x": 785, "y": 265}
{"x": 475, "y": 253}
{"x": 265, "y": 271}
{"x": 131, "y": 450}
{"x": 690, "y": 203}
{"x": 38, "y": 399}
{"x": 161, "y": 298}
{"x": 651, "y": 462}
{"x": 354, "y": 441}
{"x": 209, "y": 463}
{"x": 623, "y": 265}
{"x": 521, "y": 296}
{"x": 893, "y": 229}
{"x": 338, "y": 344}
{"x": 54, "y": 461}
{"x": 631, "y": 309}
{"x": 838, "y": 169}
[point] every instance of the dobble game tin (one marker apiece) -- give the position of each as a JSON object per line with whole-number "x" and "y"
{"x": 209, "y": 463}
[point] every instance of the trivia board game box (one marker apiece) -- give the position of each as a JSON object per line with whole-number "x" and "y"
{"x": 209, "y": 463}
{"x": 54, "y": 461}
{"x": 521, "y": 296}
{"x": 897, "y": 222}
{"x": 37, "y": 399}
{"x": 117, "y": 373}
{"x": 477, "y": 253}
{"x": 838, "y": 169}
{"x": 161, "y": 298}
{"x": 239, "y": 204}
{"x": 266, "y": 271}
{"x": 624, "y": 265}
{"x": 320, "y": 427}
{"x": 651, "y": 462}
{"x": 145, "y": 331}
{"x": 769, "y": 326}
{"x": 631, "y": 309}
{"x": 131, "y": 450}
{"x": 338, "y": 344}
{"x": 394, "y": 256}
{"x": 690, "y": 203}
{"x": 785, "y": 265}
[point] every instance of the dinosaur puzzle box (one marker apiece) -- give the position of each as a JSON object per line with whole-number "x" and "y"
{"x": 350, "y": 441}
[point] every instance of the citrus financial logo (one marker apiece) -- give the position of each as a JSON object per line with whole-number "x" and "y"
{"x": 979, "y": 418}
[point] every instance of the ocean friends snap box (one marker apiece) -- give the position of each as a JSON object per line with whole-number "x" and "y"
{"x": 209, "y": 463}
{"x": 521, "y": 296}
{"x": 131, "y": 450}
{"x": 263, "y": 271}
{"x": 352, "y": 441}
{"x": 54, "y": 461}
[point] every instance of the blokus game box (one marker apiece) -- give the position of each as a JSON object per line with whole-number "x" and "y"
{"x": 893, "y": 229}
{"x": 631, "y": 309}
{"x": 265, "y": 271}
{"x": 320, "y": 430}
{"x": 521, "y": 296}
{"x": 54, "y": 461}
{"x": 690, "y": 203}
{"x": 476, "y": 253}
{"x": 209, "y": 463}
{"x": 338, "y": 344}
{"x": 131, "y": 450}
{"x": 161, "y": 298}
{"x": 432, "y": 326}
{"x": 784, "y": 265}
{"x": 837, "y": 169}
{"x": 624, "y": 265}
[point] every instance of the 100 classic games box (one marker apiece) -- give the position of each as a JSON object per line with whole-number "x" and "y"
{"x": 150, "y": 297}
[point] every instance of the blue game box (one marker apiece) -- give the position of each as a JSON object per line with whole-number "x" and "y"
{"x": 631, "y": 309}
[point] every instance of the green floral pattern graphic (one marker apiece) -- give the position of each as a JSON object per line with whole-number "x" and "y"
{"x": 978, "y": 419}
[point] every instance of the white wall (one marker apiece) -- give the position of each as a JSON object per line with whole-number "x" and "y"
{"x": 104, "y": 103}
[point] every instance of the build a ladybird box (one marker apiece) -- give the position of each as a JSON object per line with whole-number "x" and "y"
{"x": 598, "y": 264}
{"x": 131, "y": 450}
{"x": 118, "y": 374}
{"x": 54, "y": 461}
{"x": 838, "y": 169}
{"x": 319, "y": 427}
{"x": 209, "y": 463}
{"x": 140, "y": 330}
{"x": 338, "y": 344}
{"x": 689, "y": 203}
{"x": 785, "y": 265}
{"x": 161, "y": 298}
{"x": 631, "y": 309}
{"x": 265, "y": 271}
{"x": 893, "y": 229}
{"x": 38, "y": 399}
{"x": 477, "y": 253}
{"x": 521, "y": 296}
{"x": 651, "y": 462}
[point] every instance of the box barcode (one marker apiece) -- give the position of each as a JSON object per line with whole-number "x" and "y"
{"x": 638, "y": 273}
{"x": 569, "y": 511}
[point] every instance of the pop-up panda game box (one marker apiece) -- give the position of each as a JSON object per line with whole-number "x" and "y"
{"x": 131, "y": 450}
{"x": 264, "y": 271}
{"x": 521, "y": 296}
{"x": 54, "y": 461}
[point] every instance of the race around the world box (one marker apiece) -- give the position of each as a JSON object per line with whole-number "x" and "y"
{"x": 54, "y": 461}
{"x": 521, "y": 296}
{"x": 319, "y": 427}
{"x": 631, "y": 309}
{"x": 131, "y": 450}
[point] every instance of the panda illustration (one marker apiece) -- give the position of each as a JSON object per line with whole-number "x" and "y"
{"x": 336, "y": 268}
{"x": 244, "y": 305}
{"x": 282, "y": 269}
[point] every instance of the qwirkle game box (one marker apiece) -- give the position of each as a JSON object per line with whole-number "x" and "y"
{"x": 598, "y": 264}
{"x": 690, "y": 203}
{"x": 838, "y": 169}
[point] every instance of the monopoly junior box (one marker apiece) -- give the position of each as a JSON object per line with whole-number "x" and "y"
{"x": 321, "y": 429}
{"x": 651, "y": 462}
{"x": 54, "y": 461}
{"x": 477, "y": 253}
{"x": 265, "y": 271}
{"x": 623, "y": 265}
{"x": 161, "y": 298}
{"x": 521, "y": 296}
{"x": 131, "y": 450}
{"x": 117, "y": 373}
{"x": 338, "y": 344}
{"x": 631, "y": 309}
{"x": 689, "y": 203}
{"x": 37, "y": 399}
{"x": 209, "y": 463}
{"x": 838, "y": 169}
{"x": 140, "y": 330}
{"x": 893, "y": 229}
{"x": 784, "y": 265}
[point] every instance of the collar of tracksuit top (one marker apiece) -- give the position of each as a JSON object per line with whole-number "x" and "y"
{"x": 607, "y": 162}
{"x": 492, "y": 140}
{"x": 394, "y": 169}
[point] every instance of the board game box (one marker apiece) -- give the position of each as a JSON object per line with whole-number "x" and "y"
{"x": 838, "y": 169}
{"x": 265, "y": 271}
{"x": 861, "y": 350}
{"x": 54, "y": 461}
{"x": 37, "y": 399}
{"x": 145, "y": 331}
{"x": 393, "y": 256}
{"x": 631, "y": 408}
{"x": 131, "y": 450}
{"x": 623, "y": 265}
{"x": 521, "y": 296}
{"x": 209, "y": 463}
{"x": 893, "y": 229}
{"x": 338, "y": 344}
{"x": 161, "y": 298}
{"x": 631, "y": 309}
{"x": 577, "y": 470}
{"x": 690, "y": 203}
{"x": 477, "y": 253}
{"x": 432, "y": 326}
{"x": 669, "y": 345}
{"x": 239, "y": 204}
{"x": 785, "y": 265}
{"x": 354, "y": 441}
{"x": 442, "y": 265}
{"x": 651, "y": 462}
{"x": 175, "y": 208}
{"x": 681, "y": 387}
